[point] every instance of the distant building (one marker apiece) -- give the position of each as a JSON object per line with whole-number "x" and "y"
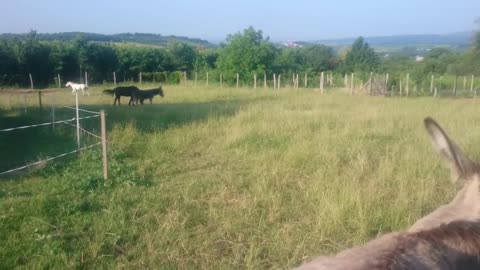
{"x": 419, "y": 58}
{"x": 292, "y": 45}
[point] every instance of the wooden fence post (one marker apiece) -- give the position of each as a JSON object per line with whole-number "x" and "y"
{"x": 296, "y": 80}
{"x": 104, "y": 145}
{"x": 351, "y": 85}
{"x": 221, "y": 80}
{"x": 185, "y": 77}
{"x": 279, "y": 84}
{"x": 407, "y": 86}
{"x": 31, "y": 80}
{"x": 464, "y": 82}
{"x": 40, "y": 99}
{"x": 386, "y": 82}
{"x": 264, "y": 80}
{"x": 401, "y": 90}
{"x": 237, "y": 80}
{"x": 455, "y": 86}
{"x": 274, "y": 81}
{"x": 196, "y": 75}
{"x": 207, "y": 78}
{"x": 431, "y": 83}
{"x": 114, "y": 79}
{"x": 345, "y": 80}
{"x": 471, "y": 83}
{"x": 321, "y": 82}
{"x": 59, "y": 81}
{"x": 86, "y": 78}
{"x": 370, "y": 81}
{"x": 306, "y": 80}
{"x": 255, "y": 81}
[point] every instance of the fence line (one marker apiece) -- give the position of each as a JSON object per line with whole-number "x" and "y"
{"x": 49, "y": 123}
{"x": 83, "y": 130}
{"x": 82, "y": 110}
{"x": 48, "y": 159}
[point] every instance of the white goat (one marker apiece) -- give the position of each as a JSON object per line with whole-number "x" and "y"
{"x": 76, "y": 87}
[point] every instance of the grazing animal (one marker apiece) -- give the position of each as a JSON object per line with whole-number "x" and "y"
{"x": 149, "y": 94}
{"x": 78, "y": 86}
{"x": 447, "y": 238}
{"x": 126, "y": 91}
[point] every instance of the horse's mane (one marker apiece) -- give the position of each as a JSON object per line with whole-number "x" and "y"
{"x": 456, "y": 244}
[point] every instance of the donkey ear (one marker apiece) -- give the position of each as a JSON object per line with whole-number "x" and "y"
{"x": 461, "y": 167}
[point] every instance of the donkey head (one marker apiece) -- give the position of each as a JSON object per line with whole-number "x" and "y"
{"x": 464, "y": 172}
{"x": 160, "y": 92}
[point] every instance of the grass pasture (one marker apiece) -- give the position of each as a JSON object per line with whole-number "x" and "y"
{"x": 227, "y": 179}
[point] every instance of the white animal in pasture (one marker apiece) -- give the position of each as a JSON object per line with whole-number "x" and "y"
{"x": 78, "y": 86}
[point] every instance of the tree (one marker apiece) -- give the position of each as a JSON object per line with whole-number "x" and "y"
{"x": 183, "y": 54}
{"x": 245, "y": 53}
{"x": 361, "y": 58}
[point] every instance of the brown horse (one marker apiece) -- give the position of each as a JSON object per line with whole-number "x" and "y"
{"x": 447, "y": 238}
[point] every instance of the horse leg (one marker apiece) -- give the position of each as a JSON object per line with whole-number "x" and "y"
{"x": 151, "y": 100}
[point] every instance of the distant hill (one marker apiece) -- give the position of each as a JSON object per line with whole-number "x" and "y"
{"x": 141, "y": 38}
{"x": 460, "y": 40}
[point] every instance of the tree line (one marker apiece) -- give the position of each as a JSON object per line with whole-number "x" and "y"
{"x": 247, "y": 53}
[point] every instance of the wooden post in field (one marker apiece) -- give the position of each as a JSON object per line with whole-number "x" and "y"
{"x": 351, "y": 85}
{"x": 279, "y": 81}
{"x": 321, "y": 82}
{"x": 255, "y": 81}
{"x": 401, "y": 87}
{"x": 59, "y": 81}
{"x": 306, "y": 80}
{"x": 296, "y": 80}
{"x": 237, "y": 80}
{"x": 471, "y": 83}
{"x": 53, "y": 114}
{"x": 78, "y": 120}
{"x": 114, "y": 79}
{"x": 207, "y": 78}
{"x": 264, "y": 80}
{"x": 274, "y": 82}
{"x": 431, "y": 83}
{"x": 40, "y": 99}
{"x": 86, "y": 78}
{"x": 464, "y": 82}
{"x": 185, "y": 77}
{"x": 370, "y": 81}
{"x": 386, "y": 82}
{"x": 345, "y": 80}
{"x": 196, "y": 77}
{"x": 104, "y": 144}
{"x": 140, "y": 77}
{"x": 455, "y": 86}
{"x": 31, "y": 80}
{"x": 221, "y": 80}
{"x": 407, "y": 84}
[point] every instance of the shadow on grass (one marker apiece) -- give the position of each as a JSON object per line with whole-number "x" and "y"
{"x": 27, "y": 145}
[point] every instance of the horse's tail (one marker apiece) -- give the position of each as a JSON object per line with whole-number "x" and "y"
{"x": 108, "y": 92}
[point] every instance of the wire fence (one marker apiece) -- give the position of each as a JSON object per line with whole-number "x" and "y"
{"x": 74, "y": 122}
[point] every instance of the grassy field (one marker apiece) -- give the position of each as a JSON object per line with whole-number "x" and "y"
{"x": 227, "y": 179}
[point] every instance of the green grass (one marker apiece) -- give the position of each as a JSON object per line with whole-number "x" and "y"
{"x": 231, "y": 179}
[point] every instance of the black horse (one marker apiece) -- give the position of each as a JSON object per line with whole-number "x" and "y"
{"x": 126, "y": 91}
{"x": 149, "y": 94}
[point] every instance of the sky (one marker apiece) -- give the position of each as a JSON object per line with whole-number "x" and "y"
{"x": 215, "y": 19}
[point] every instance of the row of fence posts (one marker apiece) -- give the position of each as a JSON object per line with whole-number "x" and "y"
{"x": 277, "y": 80}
